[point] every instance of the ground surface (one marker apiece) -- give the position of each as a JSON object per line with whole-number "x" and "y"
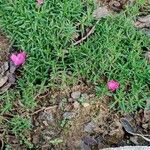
{"x": 59, "y": 98}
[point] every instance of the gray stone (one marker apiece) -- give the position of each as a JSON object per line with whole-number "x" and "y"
{"x": 3, "y": 68}
{"x": 89, "y": 127}
{"x": 12, "y": 67}
{"x": 76, "y": 105}
{"x": 48, "y": 117}
{"x": 101, "y": 12}
{"x": 76, "y": 95}
{"x": 48, "y": 135}
{"x": 69, "y": 115}
{"x": 71, "y": 100}
{"x": 134, "y": 140}
{"x": 145, "y": 126}
{"x": 129, "y": 148}
{"x": 89, "y": 140}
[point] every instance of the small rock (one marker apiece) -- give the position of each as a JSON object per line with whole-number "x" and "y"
{"x": 11, "y": 78}
{"x": 115, "y": 6}
{"x": 70, "y": 100}
{"x": 47, "y": 135}
{"x": 6, "y": 66}
{"x": 3, "y": 68}
{"x": 89, "y": 140}
{"x": 134, "y": 140}
{"x": 146, "y": 117}
{"x": 101, "y": 12}
{"x": 89, "y": 127}
{"x": 12, "y": 67}
{"x": 45, "y": 123}
{"x": 76, "y": 95}
{"x": 145, "y": 126}
{"x": 3, "y": 80}
{"x": 85, "y": 96}
{"x": 69, "y": 115}
{"x": 76, "y": 105}
{"x": 46, "y": 117}
{"x": 86, "y": 105}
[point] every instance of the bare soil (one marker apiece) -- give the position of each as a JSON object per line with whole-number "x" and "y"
{"x": 4, "y": 47}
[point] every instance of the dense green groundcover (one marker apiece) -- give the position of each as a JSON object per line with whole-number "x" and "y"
{"x": 114, "y": 51}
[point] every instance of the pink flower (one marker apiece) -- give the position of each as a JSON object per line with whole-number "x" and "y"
{"x": 113, "y": 85}
{"x": 40, "y": 2}
{"x": 18, "y": 59}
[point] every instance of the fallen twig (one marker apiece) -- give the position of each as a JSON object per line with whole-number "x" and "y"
{"x": 87, "y": 35}
{"x": 39, "y": 110}
{"x": 42, "y": 109}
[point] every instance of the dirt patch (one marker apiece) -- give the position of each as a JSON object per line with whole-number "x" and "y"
{"x": 4, "y": 47}
{"x": 83, "y": 123}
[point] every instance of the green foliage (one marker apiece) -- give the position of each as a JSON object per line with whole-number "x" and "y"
{"x": 56, "y": 141}
{"x": 20, "y": 125}
{"x": 114, "y": 51}
{"x": 6, "y": 100}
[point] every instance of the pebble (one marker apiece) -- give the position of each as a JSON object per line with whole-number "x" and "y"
{"x": 69, "y": 115}
{"x": 76, "y": 95}
{"x": 3, "y": 68}
{"x": 85, "y": 96}
{"x": 89, "y": 140}
{"x": 134, "y": 140}
{"x": 3, "y": 80}
{"x": 89, "y": 127}
{"x": 46, "y": 117}
{"x": 12, "y": 67}
{"x": 76, "y": 105}
{"x": 145, "y": 126}
{"x": 49, "y": 134}
{"x": 70, "y": 100}
{"x": 86, "y": 105}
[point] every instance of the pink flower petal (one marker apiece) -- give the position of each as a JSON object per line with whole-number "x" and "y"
{"x": 40, "y": 2}
{"x": 113, "y": 85}
{"x": 18, "y": 59}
